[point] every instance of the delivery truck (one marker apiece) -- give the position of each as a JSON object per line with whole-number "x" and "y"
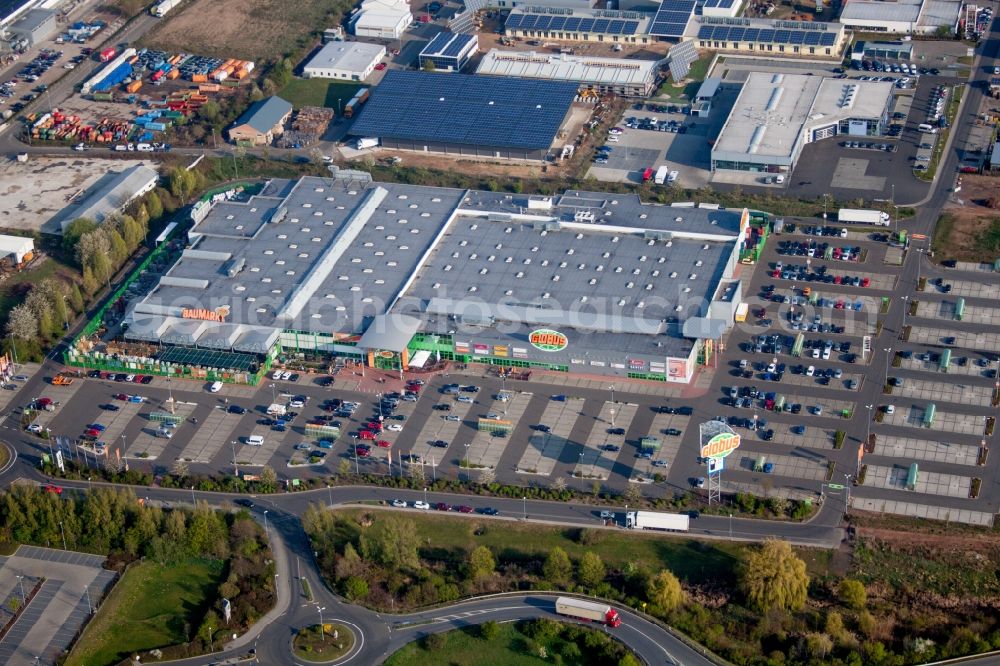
{"x": 741, "y": 312}
{"x": 661, "y": 175}
{"x": 276, "y": 409}
{"x": 591, "y": 611}
{"x": 860, "y": 216}
{"x": 650, "y": 520}
{"x": 363, "y": 143}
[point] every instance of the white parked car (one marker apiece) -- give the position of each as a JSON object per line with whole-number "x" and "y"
{"x": 672, "y": 177}
{"x": 890, "y": 409}
{"x": 420, "y": 504}
{"x": 35, "y": 428}
{"x": 810, "y": 371}
{"x": 465, "y": 398}
{"x": 296, "y": 404}
{"x": 276, "y": 374}
{"x": 394, "y": 427}
{"x": 399, "y": 504}
{"x": 286, "y": 375}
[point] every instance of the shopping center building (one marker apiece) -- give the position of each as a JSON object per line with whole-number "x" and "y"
{"x": 408, "y": 277}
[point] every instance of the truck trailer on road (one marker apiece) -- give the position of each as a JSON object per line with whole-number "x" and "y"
{"x": 588, "y": 610}
{"x": 860, "y": 216}
{"x": 650, "y": 520}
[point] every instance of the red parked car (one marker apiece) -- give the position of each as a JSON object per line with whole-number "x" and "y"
{"x": 363, "y": 452}
{"x": 366, "y": 434}
{"x": 384, "y": 443}
{"x": 56, "y": 490}
{"x": 441, "y": 506}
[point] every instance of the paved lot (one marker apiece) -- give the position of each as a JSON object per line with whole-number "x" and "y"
{"x": 216, "y": 430}
{"x": 912, "y": 416}
{"x": 437, "y": 427}
{"x": 485, "y": 449}
{"x": 930, "y": 511}
{"x": 799, "y": 465}
{"x": 147, "y": 444}
{"x": 804, "y": 380}
{"x": 970, "y": 369}
{"x": 54, "y": 616}
{"x": 644, "y": 469}
{"x": 970, "y": 289}
{"x": 973, "y": 314}
{"x": 545, "y": 448}
{"x": 943, "y": 337}
{"x": 596, "y": 463}
{"x": 894, "y": 477}
{"x": 962, "y": 394}
{"x": 922, "y": 449}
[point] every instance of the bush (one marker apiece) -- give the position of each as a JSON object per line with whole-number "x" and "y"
{"x": 489, "y": 631}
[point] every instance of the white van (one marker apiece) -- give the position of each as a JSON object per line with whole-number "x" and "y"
{"x": 215, "y": 387}
{"x": 255, "y": 440}
{"x": 929, "y": 129}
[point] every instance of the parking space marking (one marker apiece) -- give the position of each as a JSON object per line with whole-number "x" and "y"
{"x": 950, "y": 337}
{"x": 115, "y": 422}
{"x": 544, "y": 448}
{"x": 828, "y": 406}
{"x": 956, "y": 367}
{"x": 800, "y": 465}
{"x": 381, "y": 454}
{"x": 258, "y": 456}
{"x": 597, "y": 463}
{"x": 484, "y": 450}
{"x": 644, "y": 469}
{"x": 12, "y": 644}
{"x": 210, "y": 436}
{"x": 932, "y": 391}
{"x": 836, "y": 384}
{"x": 812, "y": 438}
{"x": 148, "y": 445}
{"x": 436, "y": 428}
{"x": 972, "y": 314}
{"x": 933, "y": 483}
{"x": 912, "y": 416}
{"x": 931, "y": 511}
{"x": 923, "y": 449}
{"x": 60, "y": 396}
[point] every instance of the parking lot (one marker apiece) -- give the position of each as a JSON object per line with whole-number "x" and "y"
{"x": 959, "y": 365}
{"x": 486, "y": 448}
{"x": 941, "y": 337}
{"x": 969, "y": 289}
{"x": 799, "y": 465}
{"x": 894, "y": 477}
{"x": 603, "y": 444}
{"x": 545, "y": 448}
{"x": 922, "y": 449}
{"x": 60, "y": 607}
{"x": 914, "y": 416}
{"x": 931, "y": 391}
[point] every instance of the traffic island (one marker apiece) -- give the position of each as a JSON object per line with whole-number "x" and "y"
{"x": 324, "y": 645}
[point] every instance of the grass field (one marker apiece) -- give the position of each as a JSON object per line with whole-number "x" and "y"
{"x": 318, "y": 92}
{"x": 246, "y": 29}
{"x": 689, "y": 559}
{"x": 311, "y": 645}
{"x": 687, "y": 89}
{"x": 150, "y": 607}
{"x": 462, "y": 647}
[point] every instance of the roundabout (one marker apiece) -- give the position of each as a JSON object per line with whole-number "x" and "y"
{"x": 328, "y": 643}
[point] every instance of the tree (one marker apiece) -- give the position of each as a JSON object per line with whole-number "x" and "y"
{"x": 210, "y": 111}
{"x": 182, "y": 183}
{"x": 22, "y": 323}
{"x": 557, "y": 568}
{"x": 268, "y": 477}
{"x": 664, "y": 591}
{"x": 629, "y": 660}
{"x": 90, "y": 284}
{"x": 591, "y": 570}
{"x": 773, "y": 577}
{"x": 481, "y": 563}
{"x": 489, "y": 630}
{"x": 131, "y": 233}
{"x": 355, "y": 588}
{"x": 119, "y": 251}
{"x": 632, "y": 494}
{"x": 818, "y": 645}
{"x": 392, "y": 543}
{"x": 75, "y": 298}
{"x": 853, "y": 594}
{"x": 75, "y": 230}
{"x": 154, "y": 207}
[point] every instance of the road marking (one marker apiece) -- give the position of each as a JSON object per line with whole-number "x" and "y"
{"x": 642, "y": 633}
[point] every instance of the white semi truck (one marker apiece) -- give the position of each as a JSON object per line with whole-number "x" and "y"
{"x": 588, "y": 610}
{"x": 860, "y": 216}
{"x": 661, "y": 175}
{"x": 650, "y": 520}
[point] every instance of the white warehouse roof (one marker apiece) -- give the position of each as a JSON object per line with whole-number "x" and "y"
{"x": 774, "y": 111}
{"x": 16, "y": 245}
{"x": 359, "y": 57}
{"x": 561, "y": 67}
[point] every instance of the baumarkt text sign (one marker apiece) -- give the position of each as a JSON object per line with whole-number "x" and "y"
{"x": 720, "y": 446}
{"x": 548, "y": 340}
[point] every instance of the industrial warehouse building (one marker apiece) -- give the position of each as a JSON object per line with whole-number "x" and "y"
{"x": 16, "y": 251}
{"x": 576, "y": 25}
{"x": 448, "y": 52}
{"x": 112, "y": 195}
{"x": 910, "y": 17}
{"x": 35, "y": 26}
{"x": 381, "y": 19}
{"x": 261, "y": 122}
{"x": 346, "y": 61}
{"x": 617, "y": 76}
{"x": 462, "y": 114}
{"x": 398, "y": 276}
{"x": 776, "y": 115}
{"x": 767, "y": 37}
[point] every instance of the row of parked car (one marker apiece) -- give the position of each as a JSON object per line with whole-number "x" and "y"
{"x": 120, "y": 377}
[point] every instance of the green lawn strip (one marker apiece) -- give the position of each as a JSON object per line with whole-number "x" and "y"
{"x": 318, "y": 92}
{"x": 690, "y": 560}
{"x": 152, "y": 606}
{"x": 509, "y": 648}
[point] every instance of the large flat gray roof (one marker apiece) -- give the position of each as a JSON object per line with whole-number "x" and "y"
{"x": 332, "y": 255}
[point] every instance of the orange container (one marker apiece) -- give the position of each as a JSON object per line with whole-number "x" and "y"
{"x": 209, "y": 88}
{"x": 134, "y": 86}
{"x": 199, "y": 78}
{"x": 173, "y": 74}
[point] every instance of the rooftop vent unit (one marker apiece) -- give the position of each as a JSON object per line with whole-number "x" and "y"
{"x": 583, "y": 216}
{"x": 235, "y": 266}
{"x": 656, "y": 235}
{"x": 278, "y": 215}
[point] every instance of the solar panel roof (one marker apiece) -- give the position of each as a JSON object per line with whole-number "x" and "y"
{"x": 724, "y": 33}
{"x": 446, "y": 44}
{"x": 546, "y": 22}
{"x": 466, "y": 109}
{"x": 672, "y": 17}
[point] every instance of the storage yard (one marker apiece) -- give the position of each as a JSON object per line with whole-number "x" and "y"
{"x": 248, "y": 29}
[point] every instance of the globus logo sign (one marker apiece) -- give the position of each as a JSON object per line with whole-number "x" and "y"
{"x": 720, "y": 446}
{"x": 548, "y": 340}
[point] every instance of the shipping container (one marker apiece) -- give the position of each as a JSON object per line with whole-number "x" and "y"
{"x": 107, "y": 54}
{"x": 173, "y": 74}
{"x": 199, "y": 78}
{"x": 134, "y": 86}
{"x": 209, "y": 88}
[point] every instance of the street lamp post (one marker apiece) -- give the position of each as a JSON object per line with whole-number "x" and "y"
{"x": 89, "y": 604}
{"x": 730, "y": 526}
{"x": 425, "y": 494}
{"x": 192, "y": 495}
{"x": 524, "y": 507}
{"x": 90, "y": 484}
{"x": 20, "y": 584}
{"x": 265, "y": 522}
{"x": 847, "y": 500}
{"x": 868, "y": 432}
{"x": 612, "y": 417}
{"x": 329, "y": 495}
{"x": 322, "y": 627}
{"x": 888, "y": 353}
{"x": 63, "y": 532}
{"x": 906, "y": 305}
{"x": 236, "y": 467}
{"x": 612, "y": 387}
{"x": 468, "y": 473}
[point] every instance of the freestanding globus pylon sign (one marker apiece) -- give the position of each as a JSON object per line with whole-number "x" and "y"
{"x": 716, "y": 441}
